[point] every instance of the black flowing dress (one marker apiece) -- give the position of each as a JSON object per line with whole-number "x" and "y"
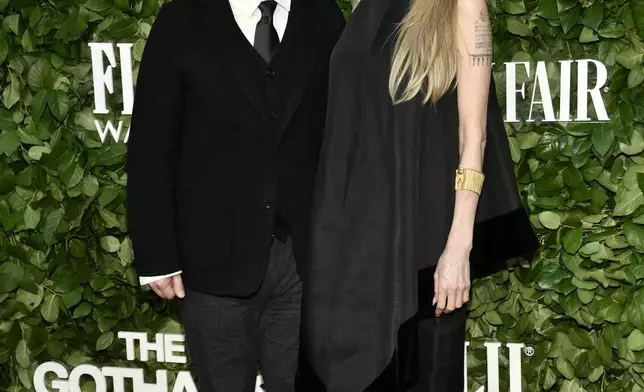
{"x": 382, "y": 212}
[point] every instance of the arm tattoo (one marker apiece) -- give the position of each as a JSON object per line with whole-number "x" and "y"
{"x": 483, "y": 41}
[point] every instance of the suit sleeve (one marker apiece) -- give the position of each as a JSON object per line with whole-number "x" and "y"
{"x": 153, "y": 152}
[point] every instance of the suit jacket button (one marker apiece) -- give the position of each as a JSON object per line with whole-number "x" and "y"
{"x": 270, "y": 73}
{"x": 273, "y": 113}
{"x": 267, "y": 204}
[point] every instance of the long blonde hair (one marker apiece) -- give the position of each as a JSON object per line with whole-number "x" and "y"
{"x": 425, "y": 58}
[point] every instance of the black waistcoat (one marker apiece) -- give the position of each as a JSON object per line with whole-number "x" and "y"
{"x": 219, "y": 139}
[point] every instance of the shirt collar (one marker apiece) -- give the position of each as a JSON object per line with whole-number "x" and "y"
{"x": 247, "y": 7}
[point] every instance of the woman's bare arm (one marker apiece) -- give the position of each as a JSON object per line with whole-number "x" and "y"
{"x": 475, "y": 49}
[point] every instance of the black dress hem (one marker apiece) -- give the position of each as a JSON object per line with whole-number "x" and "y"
{"x": 500, "y": 243}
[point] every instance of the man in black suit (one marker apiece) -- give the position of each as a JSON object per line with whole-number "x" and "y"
{"x": 227, "y": 125}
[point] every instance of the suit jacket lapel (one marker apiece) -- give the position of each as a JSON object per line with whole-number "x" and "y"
{"x": 296, "y": 59}
{"x": 217, "y": 23}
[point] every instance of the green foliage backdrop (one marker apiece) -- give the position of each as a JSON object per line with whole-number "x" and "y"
{"x": 66, "y": 281}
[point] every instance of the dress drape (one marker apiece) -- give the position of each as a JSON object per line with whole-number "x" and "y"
{"x": 383, "y": 208}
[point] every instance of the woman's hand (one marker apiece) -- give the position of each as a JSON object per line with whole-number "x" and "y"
{"x": 452, "y": 278}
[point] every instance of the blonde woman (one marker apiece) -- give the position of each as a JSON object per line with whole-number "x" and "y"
{"x": 415, "y": 196}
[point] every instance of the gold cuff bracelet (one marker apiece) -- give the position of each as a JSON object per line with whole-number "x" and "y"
{"x": 469, "y": 179}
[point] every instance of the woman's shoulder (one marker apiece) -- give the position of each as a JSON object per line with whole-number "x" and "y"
{"x": 471, "y": 6}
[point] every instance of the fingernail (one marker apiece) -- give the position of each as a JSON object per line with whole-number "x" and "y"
{"x": 181, "y": 294}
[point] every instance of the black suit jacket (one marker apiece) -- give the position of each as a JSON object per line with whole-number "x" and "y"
{"x": 209, "y": 152}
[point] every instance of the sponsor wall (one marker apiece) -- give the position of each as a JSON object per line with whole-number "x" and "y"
{"x": 569, "y": 75}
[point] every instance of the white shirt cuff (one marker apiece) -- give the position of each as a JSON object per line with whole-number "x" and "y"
{"x": 149, "y": 279}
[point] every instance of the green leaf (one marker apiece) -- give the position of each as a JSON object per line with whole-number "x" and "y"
{"x": 75, "y": 24}
{"x": 72, "y": 298}
{"x": 515, "y": 150}
{"x": 565, "y": 5}
{"x": 99, "y": 5}
{"x": 4, "y": 48}
{"x": 77, "y": 358}
{"x": 528, "y": 140}
{"x": 124, "y": 28}
{"x": 126, "y": 252}
{"x": 593, "y": 15}
{"x": 149, "y": 7}
{"x": 638, "y": 15}
{"x": 585, "y": 296}
{"x": 635, "y": 311}
{"x": 590, "y": 248}
{"x": 112, "y": 155}
{"x": 627, "y": 201}
{"x": 52, "y": 222}
{"x": 12, "y": 23}
{"x": 11, "y": 276}
{"x": 110, "y": 218}
{"x": 90, "y": 185}
{"x": 9, "y": 142}
{"x": 41, "y": 75}
{"x": 550, "y": 219}
{"x": 493, "y": 318}
{"x": 604, "y": 349}
{"x": 105, "y": 341}
{"x": 572, "y": 304}
{"x": 30, "y": 300}
{"x": 32, "y": 218}
{"x": 7, "y": 123}
{"x": 108, "y": 195}
{"x": 580, "y": 338}
{"x": 573, "y": 178}
{"x": 636, "y": 340}
{"x": 58, "y": 103}
{"x": 587, "y": 36}
{"x": 106, "y": 323}
{"x": 630, "y": 58}
{"x": 28, "y": 41}
{"x": 23, "y": 355}
{"x": 82, "y": 310}
{"x": 569, "y": 18}
{"x": 50, "y": 308}
{"x": 137, "y": 50}
{"x": 517, "y": 27}
{"x": 548, "y": 9}
{"x": 515, "y": 7}
{"x": 72, "y": 175}
{"x": 572, "y": 240}
{"x": 11, "y": 94}
{"x": 110, "y": 244}
{"x": 85, "y": 119}
{"x": 612, "y": 32}
{"x": 36, "y": 152}
{"x": 565, "y": 368}
{"x": 635, "y": 146}
{"x": 635, "y": 77}
{"x": 571, "y": 385}
{"x": 634, "y": 235}
{"x": 603, "y": 137}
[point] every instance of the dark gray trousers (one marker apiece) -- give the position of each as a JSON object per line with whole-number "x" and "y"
{"x": 229, "y": 339}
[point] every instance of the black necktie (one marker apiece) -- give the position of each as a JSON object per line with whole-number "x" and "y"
{"x": 266, "y": 39}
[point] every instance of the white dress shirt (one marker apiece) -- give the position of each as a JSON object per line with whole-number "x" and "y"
{"x": 247, "y": 14}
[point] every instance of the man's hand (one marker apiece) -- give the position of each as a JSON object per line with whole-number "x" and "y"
{"x": 169, "y": 288}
